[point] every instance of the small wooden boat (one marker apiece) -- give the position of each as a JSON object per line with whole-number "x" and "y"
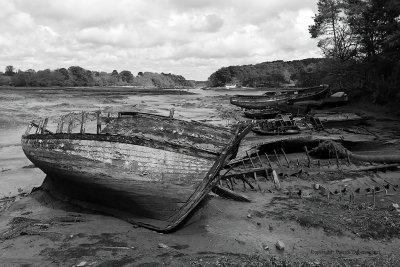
{"x": 258, "y": 101}
{"x": 335, "y": 100}
{"x": 267, "y": 100}
{"x": 147, "y": 169}
{"x": 261, "y": 114}
{"x": 286, "y": 130}
{"x": 282, "y": 125}
{"x": 311, "y": 95}
{"x": 340, "y": 119}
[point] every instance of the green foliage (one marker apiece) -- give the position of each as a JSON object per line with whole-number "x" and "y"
{"x": 363, "y": 39}
{"x": 78, "y": 76}
{"x": 357, "y": 29}
{"x": 9, "y": 71}
{"x": 270, "y": 74}
{"x": 115, "y": 73}
{"x": 5, "y": 80}
{"x": 126, "y": 76}
{"x": 331, "y": 27}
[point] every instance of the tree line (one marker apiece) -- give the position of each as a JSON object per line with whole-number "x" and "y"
{"x": 306, "y": 72}
{"x": 78, "y": 76}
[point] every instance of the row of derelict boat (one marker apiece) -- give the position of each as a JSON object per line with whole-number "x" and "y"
{"x": 317, "y": 96}
{"x": 274, "y": 108}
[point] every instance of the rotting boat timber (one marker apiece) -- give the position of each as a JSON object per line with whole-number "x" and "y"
{"x": 147, "y": 169}
{"x": 261, "y": 114}
{"x": 258, "y": 101}
{"x": 311, "y": 95}
{"x": 267, "y": 101}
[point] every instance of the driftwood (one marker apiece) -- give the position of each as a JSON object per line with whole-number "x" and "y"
{"x": 276, "y": 180}
{"x": 38, "y": 126}
{"x": 226, "y": 193}
{"x": 327, "y": 148}
{"x": 376, "y": 168}
{"x": 385, "y": 158}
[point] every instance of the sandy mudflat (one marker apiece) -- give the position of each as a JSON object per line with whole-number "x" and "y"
{"x": 37, "y": 230}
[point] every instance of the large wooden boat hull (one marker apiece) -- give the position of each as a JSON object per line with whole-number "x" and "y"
{"x": 153, "y": 183}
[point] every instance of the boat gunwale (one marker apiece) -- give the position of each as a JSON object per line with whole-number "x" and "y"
{"x": 121, "y": 139}
{"x": 174, "y": 119}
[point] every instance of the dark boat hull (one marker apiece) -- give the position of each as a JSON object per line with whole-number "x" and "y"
{"x": 267, "y": 101}
{"x": 323, "y": 93}
{"x": 148, "y": 182}
{"x": 261, "y": 114}
{"x": 258, "y": 102}
{"x": 261, "y": 131}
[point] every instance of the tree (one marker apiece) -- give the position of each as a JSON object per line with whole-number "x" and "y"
{"x": 114, "y": 73}
{"x": 331, "y": 27}
{"x": 220, "y": 77}
{"x": 80, "y": 76}
{"x": 375, "y": 23}
{"x": 126, "y": 76}
{"x": 9, "y": 71}
{"x": 64, "y": 72}
{"x": 5, "y": 80}
{"x": 20, "y": 79}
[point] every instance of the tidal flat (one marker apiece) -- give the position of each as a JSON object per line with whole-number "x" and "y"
{"x": 39, "y": 230}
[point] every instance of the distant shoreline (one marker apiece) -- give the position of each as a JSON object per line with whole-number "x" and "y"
{"x": 111, "y": 89}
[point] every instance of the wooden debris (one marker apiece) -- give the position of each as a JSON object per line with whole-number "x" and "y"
{"x": 98, "y": 113}
{"x": 284, "y": 154}
{"x": 337, "y": 157}
{"x": 269, "y": 162}
{"x": 28, "y": 129}
{"x": 44, "y": 125}
{"x": 60, "y": 125}
{"x": 247, "y": 182}
{"x": 83, "y": 121}
{"x": 70, "y": 124}
{"x": 277, "y": 158}
{"x": 308, "y": 156}
{"x": 226, "y": 193}
{"x": 276, "y": 180}
{"x": 248, "y": 156}
{"x": 376, "y": 168}
{"x": 258, "y": 156}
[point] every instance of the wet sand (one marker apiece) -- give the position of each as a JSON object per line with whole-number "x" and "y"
{"x": 38, "y": 230}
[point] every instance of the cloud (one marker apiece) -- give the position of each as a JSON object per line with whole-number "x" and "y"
{"x": 188, "y": 37}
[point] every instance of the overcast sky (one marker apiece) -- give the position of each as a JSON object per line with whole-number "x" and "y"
{"x": 189, "y": 37}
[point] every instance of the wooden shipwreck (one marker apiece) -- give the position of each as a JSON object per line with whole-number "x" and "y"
{"x": 147, "y": 169}
{"x": 281, "y": 97}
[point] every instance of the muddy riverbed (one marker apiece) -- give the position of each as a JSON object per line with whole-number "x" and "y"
{"x": 38, "y": 230}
